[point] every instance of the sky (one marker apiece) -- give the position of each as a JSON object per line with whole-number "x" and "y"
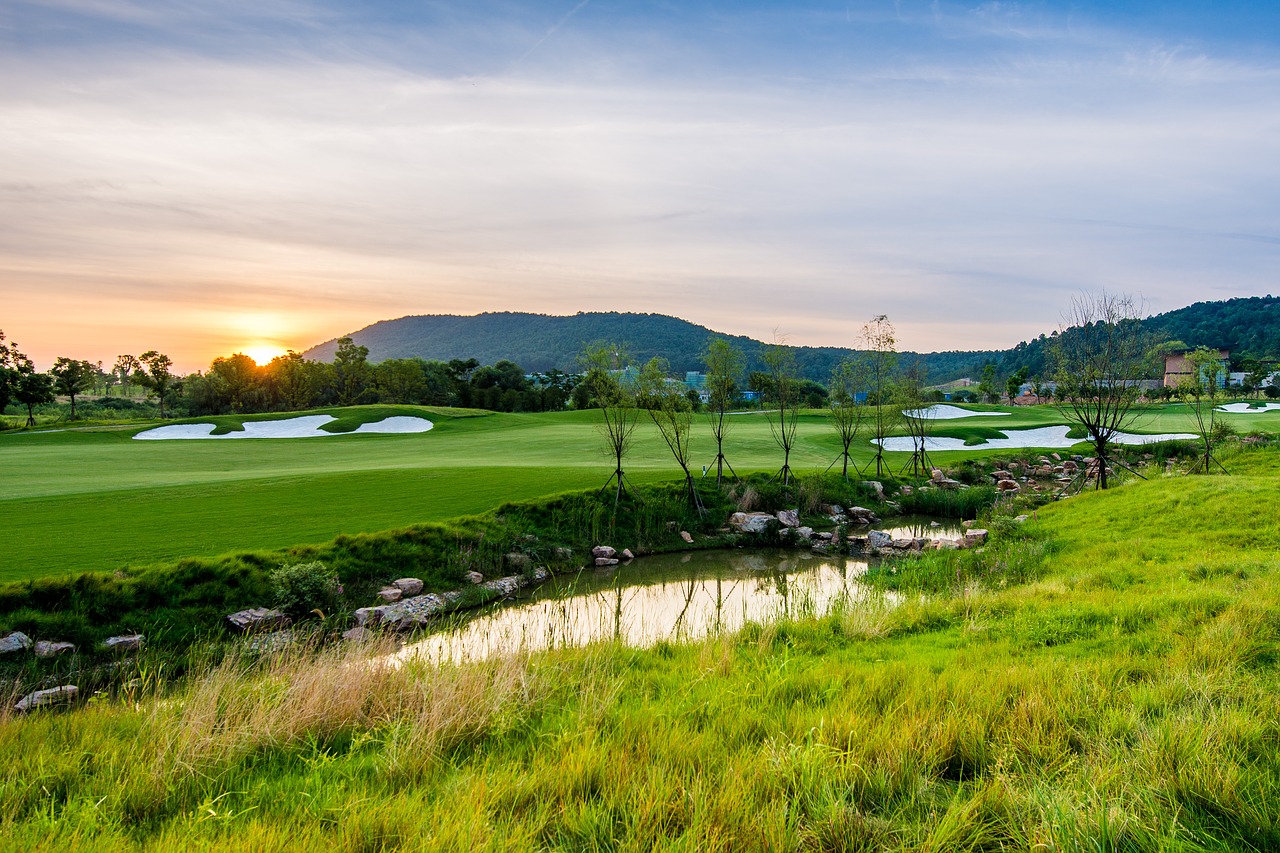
{"x": 207, "y": 176}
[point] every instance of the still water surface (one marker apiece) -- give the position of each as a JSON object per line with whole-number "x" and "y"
{"x": 665, "y": 597}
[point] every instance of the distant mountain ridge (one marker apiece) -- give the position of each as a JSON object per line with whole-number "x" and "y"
{"x": 540, "y": 342}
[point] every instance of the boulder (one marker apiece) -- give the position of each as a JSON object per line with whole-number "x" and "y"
{"x": 124, "y": 643}
{"x": 805, "y": 532}
{"x": 45, "y": 698}
{"x": 274, "y": 641}
{"x": 751, "y": 522}
{"x": 408, "y": 586}
{"x": 1007, "y": 486}
{"x": 627, "y": 555}
{"x": 603, "y": 551}
{"x": 879, "y": 539}
{"x": 684, "y": 534}
{"x": 862, "y": 515}
{"x": 831, "y": 509}
{"x": 974, "y": 537}
{"x": 358, "y": 634}
{"x": 15, "y": 641}
{"x": 473, "y": 577}
{"x": 389, "y": 594}
{"x": 606, "y": 561}
{"x": 408, "y": 613}
{"x": 824, "y": 537}
{"x": 789, "y": 517}
{"x": 905, "y": 490}
{"x": 246, "y": 621}
{"x": 876, "y": 486}
{"x": 46, "y": 649}
{"x": 937, "y": 476}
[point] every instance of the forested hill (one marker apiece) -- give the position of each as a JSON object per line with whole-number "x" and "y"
{"x": 538, "y": 342}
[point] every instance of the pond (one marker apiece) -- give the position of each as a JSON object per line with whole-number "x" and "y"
{"x": 669, "y": 597}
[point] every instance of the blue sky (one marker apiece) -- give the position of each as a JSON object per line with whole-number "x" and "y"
{"x": 200, "y": 177}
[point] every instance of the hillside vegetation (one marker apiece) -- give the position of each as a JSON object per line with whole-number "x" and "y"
{"x": 540, "y": 342}
{"x": 1103, "y": 677}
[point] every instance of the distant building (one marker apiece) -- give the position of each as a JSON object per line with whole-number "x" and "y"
{"x": 1177, "y": 368}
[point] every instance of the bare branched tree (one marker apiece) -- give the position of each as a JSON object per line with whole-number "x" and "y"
{"x": 1099, "y": 363}
{"x": 880, "y": 358}
{"x": 615, "y": 395}
{"x": 916, "y": 415}
{"x": 1200, "y": 390}
{"x": 725, "y": 364}
{"x": 672, "y": 413}
{"x": 783, "y": 423}
{"x": 847, "y": 414}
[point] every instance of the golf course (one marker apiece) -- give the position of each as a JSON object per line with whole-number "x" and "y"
{"x": 95, "y": 499}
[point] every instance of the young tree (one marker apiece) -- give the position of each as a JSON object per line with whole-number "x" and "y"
{"x": 672, "y": 414}
{"x": 154, "y": 374}
{"x": 1014, "y": 382}
{"x": 9, "y": 359}
{"x": 987, "y": 387}
{"x": 72, "y": 377}
{"x": 916, "y": 415}
{"x": 32, "y": 388}
{"x": 1200, "y": 390}
{"x": 125, "y": 367}
{"x": 846, "y": 413}
{"x": 602, "y": 365}
{"x": 725, "y": 364}
{"x": 1099, "y": 362}
{"x": 879, "y": 358}
{"x": 294, "y": 380}
{"x": 351, "y": 372}
{"x": 107, "y": 378}
{"x": 783, "y": 423}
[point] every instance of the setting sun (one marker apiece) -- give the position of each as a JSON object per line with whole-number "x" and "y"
{"x": 263, "y": 353}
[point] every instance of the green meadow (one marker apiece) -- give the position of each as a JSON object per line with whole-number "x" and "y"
{"x": 93, "y": 499}
{"x": 1103, "y": 677}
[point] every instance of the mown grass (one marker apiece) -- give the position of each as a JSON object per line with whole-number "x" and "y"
{"x": 1123, "y": 695}
{"x": 94, "y": 500}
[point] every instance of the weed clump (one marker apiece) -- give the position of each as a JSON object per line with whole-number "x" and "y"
{"x": 300, "y": 588}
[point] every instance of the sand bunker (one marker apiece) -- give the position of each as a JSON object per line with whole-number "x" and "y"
{"x": 946, "y": 413}
{"x": 1242, "y": 408}
{"x": 307, "y": 426}
{"x": 1050, "y": 438}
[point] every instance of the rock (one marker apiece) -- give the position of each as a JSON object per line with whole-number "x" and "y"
{"x": 1001, "y": 476}
{"x": 409, "y": 586}
{"x": 862, "y": 515}
{"x": 389, "y": 594}
{"x": 1007, "y": 486}
{"x": 124, "y": 643}
{"x": 603, "y": 551}
{"x": 947, "y": 483}
{"x": 15, "y": 641}
{"x": 805, "y": 532}
{"x": 937, "y": 476}
{"x": 789, "y": 517}
{"x": 905, "y": 490}
{"x": 876, "y": 486}
{"x": 517, "y": 562}
{"x": 408, "y": 613}
{"x": 1020, "y": 518}
{"x": 831, "y": 509}
{"x": 45, "y": 698}
{"x": 246, "y": 621}
{"x": 968, "y": 522}
{"x": 825, "y": 537}
{"x": 975, "y": 536}
{"x": 606, "y": 561}
{"x": 473, "y": 577}
{"x": 627, "y": 555}
{"x": 562, "y": 554}
{"x": 879, "y": 539}
{"x": 751, "y": 522}
{"x": 358, "y": 634}
{"x": 46, "y": 649}
{"x": 684, "y": 534}
{"x": 1056, "y": 457}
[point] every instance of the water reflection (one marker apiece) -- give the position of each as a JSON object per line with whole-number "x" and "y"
{"x": 666, "y": 597}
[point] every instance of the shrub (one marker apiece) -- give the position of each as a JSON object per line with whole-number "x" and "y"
{"x": 300, "y": 588}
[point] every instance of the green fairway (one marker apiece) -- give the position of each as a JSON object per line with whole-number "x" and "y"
{"x": 95, "y": 499}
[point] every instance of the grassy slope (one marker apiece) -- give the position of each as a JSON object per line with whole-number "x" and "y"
{"x": 78, "y": 501}
{"x": 1127, "y": 700}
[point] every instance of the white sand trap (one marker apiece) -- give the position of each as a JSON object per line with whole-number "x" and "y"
{"x": 307, "y": 426}
{"x": 1242, "y": 408}
{"x": 1050, "y": 438}
{"x": 946, "y": 413}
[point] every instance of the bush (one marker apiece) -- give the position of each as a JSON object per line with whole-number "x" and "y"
{"x": 300, "y": 588}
